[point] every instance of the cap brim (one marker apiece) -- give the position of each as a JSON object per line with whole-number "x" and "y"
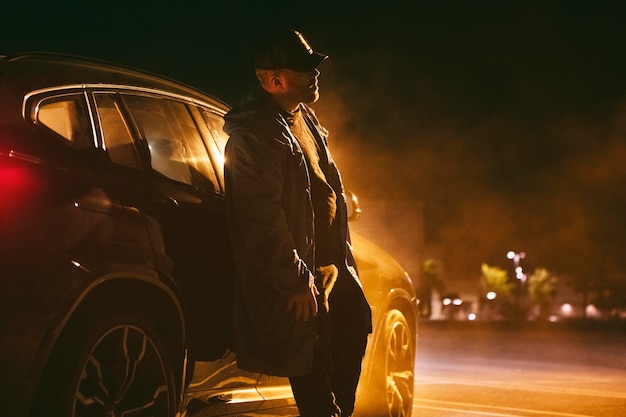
{"x": 310, "y": 63}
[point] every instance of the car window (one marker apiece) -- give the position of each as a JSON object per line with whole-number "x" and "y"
{"x": 215, "y": 123}
{"x": 66, "y": 115}
{"x": 175, "y": 144}
{"x": 210, "y": 125}
{"x": 118, "y": 140}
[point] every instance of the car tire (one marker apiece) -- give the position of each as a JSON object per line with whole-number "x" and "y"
{"x": 392, "y": 381}
{"x": 106, "y": 366}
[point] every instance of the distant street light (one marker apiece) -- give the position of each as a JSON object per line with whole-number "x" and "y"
{"x": 516, "y": 257}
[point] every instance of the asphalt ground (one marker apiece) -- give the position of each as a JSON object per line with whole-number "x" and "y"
{"x": 595, "y": 343}
{"x": 521, "y": 369}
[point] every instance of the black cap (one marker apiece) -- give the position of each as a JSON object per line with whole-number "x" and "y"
{"x": 287, "y": 50}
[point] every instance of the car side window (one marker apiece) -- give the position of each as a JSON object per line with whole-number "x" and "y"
{"x": 175, "y": 144}
{"x": 67, "y": 116}
{"x": 118, "y": 140}
{"x": 210, "y": 125}
{"x": 215, "y": 123}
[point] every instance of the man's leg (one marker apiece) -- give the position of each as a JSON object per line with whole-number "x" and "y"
{"x": 348, "y": 350}
{"x": 313, "y": 392}
{"x": 350, "y": 327}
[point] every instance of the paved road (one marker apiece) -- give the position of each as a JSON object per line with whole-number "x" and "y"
{"x": 518, "y": 370}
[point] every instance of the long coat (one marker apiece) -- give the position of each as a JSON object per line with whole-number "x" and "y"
{"x": 268, "y": 201}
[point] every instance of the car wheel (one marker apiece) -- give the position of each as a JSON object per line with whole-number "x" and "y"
{"x": 111, "y": 367}
{"x": 393, "y": 373}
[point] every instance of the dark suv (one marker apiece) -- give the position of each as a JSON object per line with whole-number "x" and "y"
{"x": 115, "y": 264}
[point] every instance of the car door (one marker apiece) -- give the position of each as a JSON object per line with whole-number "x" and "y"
{"x": 160, "y": 153}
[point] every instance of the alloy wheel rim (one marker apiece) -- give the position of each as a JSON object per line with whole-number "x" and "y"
{"x": 123, "y": 376}
{"x": 400, "y": 363}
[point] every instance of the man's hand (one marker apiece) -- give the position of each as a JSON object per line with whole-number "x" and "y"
{"x": 303, "y": 305}
{"x": 325, "y": 278}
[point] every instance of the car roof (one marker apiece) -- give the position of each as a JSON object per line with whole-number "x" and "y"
{"x": 30, "y": 71}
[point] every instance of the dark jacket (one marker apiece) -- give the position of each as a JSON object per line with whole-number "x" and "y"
{"x": 271, "y": 222}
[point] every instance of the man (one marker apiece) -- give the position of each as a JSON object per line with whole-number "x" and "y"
{"x": 300, "y": 311}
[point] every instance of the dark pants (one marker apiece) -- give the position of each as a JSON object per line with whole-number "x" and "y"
{"x": 339, "y": 349}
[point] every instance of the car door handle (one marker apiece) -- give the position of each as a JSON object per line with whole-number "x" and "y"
{"x": 220, "y": 399}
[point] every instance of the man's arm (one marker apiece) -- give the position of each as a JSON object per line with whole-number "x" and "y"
{"x": 254, "y": 182}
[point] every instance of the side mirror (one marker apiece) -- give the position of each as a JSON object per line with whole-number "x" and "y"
{"x": 354, "y": 210}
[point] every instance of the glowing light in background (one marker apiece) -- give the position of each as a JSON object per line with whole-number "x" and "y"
{"x": 592, "y": 311}
{"x": 567, "y": 309}
{"x": 454, "y": 300}
{"x": 516, "y": 257}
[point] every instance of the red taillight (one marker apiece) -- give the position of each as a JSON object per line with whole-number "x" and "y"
{"x": 18, "y": 184}
{"x": 13, "y": 179}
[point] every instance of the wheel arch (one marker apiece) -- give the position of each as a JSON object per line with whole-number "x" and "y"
{"x": 132, "y": 290}
{"x": 406, "y": 303}
{"x": 132, "y": 293}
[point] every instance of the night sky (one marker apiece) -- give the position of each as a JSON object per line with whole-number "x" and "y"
{"x": 506, "y": 120}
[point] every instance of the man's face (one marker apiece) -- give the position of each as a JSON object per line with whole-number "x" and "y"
{"x": 301, "y": 87}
